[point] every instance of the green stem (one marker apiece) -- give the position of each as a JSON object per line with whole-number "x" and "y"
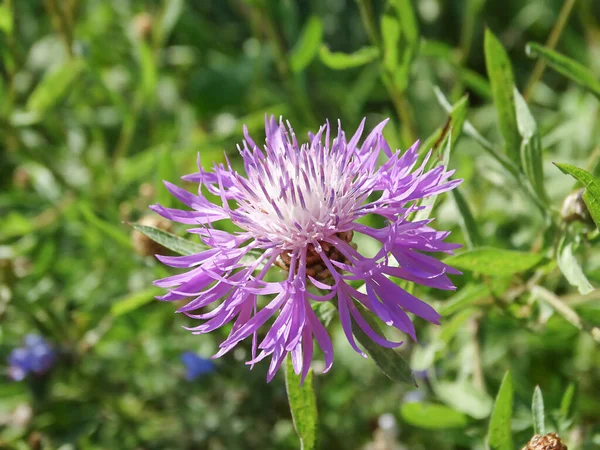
{"x": 559, "y": 26}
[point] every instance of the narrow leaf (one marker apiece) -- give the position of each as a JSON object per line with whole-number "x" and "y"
{"x": 569, "y": 266}
{"x": 531, "y": 147}
{"x": 467, "y": 221}
{"x": 341, "y": 61}
{"x": 432, "y": 416}
{"x": 308, "y": 44}
{"x": 170, "y": 241}
{"x": 499, "y": 432}
{"x": 464, "y": 298}
{"x": 115, "y": 233}
{"x": 303, "y": 405}
{"x": 134, "y": 301}
{"x": 591, "y": 196}
{"x": 388, "y": 360}
{"x": 390, "y": 35}
{"x": 408, "y": 21}
{"x": 537, "y": 410}
{"x": 566, "y": 66}
{"x": 567, "y": 403}
{"x": 494, "y": 261}
{"x": 502, "y": 81}
{"x": 170, "y": 16}
{"x": 54, "y": 86}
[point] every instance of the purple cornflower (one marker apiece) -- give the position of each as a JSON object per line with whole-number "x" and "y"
{"x": 298, "y": 206}
{"x": 36, "y": 356}
{"x": 196, "y": 366}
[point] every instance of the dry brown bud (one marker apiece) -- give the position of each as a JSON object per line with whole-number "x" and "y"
{"x": 143, "y": 244}
{"x": 549, "y": 441}
{"x": 142, "y": 25}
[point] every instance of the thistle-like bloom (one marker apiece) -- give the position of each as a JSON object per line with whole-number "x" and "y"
{"x": 36, "y": 356}
{"x": 298, "y": 206}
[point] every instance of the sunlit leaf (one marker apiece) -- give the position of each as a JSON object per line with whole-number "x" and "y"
{"x": 55, "y": 86}
{"x": 531, "y": 147}
{"x": 303, "y": 405}
{"x": 537, "y": 410}
{"x": 494, "y": 261}
{"x": 432, "y": 416}
{"x": 499, "y": 432}
{"x": 308, "y": 44}
{"x": 569, "y": 265}
{"x": 341, "y": 61}
{"x": 502, "y": 82}
{"x": 566, "y": 66}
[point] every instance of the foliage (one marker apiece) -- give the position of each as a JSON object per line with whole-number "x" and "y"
{"x": 102, "y": 100}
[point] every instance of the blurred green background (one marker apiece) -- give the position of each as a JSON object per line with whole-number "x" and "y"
{"x": 100, "y": 100}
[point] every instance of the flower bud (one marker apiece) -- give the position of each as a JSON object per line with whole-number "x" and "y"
{"x": 574, "y": 208}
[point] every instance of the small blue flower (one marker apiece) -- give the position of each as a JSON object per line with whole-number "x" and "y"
{"x": 196, "y": 366}
{"x": 36, "y": 356}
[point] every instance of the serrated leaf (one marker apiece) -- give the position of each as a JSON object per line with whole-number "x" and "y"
{"x": 502, "y": 82}
{"x": 494, "y": 261}
{"x": 569, "y": 266}
{"x": 499, "y": 431}
{"x": 170, "y": 241}
{"x": 531, "y": 147}
{"x": 54, "y": 86}
{"x": 394, "y": 366}
{"x": 308, "y": 44}
{"x": 341, "y": 61}
{"x": 303, "y": 405}
{"x": 432, "y": 416}
{"x": 591, "y": 196}
{"x": 467, "y": 221}
{"x": 537, "y": 410}
{"x": 566, "y": 66}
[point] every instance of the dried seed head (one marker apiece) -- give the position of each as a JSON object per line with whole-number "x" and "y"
{"x": 549, "y": 441}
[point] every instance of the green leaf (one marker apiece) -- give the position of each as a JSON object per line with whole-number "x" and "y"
{"x": 116, "y": 233}
{"x": 390, "y": 35}
{"x": 567, "y": 403}
{"x": 169, "y": 18}
{"x": 531, "y": 147}
{"x": 408, "y": 21}
{"x": 170, "y": 241}
{"x": 591, "y": 196}
{"x": 325, "y": 312}
{"x": 166, "y": 170}
{"x": 569, "y": 266}
{"x": 308, "y": 44}
{"x": 432, "y": 416}
{"x": 464, "y": 298}
{"x": 6, "y": 19}
{"x": 134, "y": 301}
{"x": 502, "y": 83}
{"x": 464, "y": 397}
{"x": 494, "y": 261}
{"x": 303, "y": 405}
{"x": 566, "y": 66}
{"x": 458, "y": 115}
{"x": 388, "y": 360}
{"x": 341, "y": 61}
{"x": 467, "y": 221}
{"x": 55, "y": 86}
{"x": 499, "y": 432}
{"x": 537, "y": 410}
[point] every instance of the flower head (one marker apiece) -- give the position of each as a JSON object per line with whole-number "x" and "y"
{"x": 298, "y": 206}
{"x": 36, "y": 356}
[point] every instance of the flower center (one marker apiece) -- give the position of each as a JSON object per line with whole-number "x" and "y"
{"x": 315, "y": 267}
